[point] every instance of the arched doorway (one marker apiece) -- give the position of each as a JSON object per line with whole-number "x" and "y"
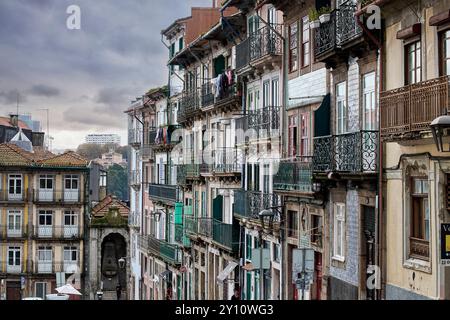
{"x": 114, "y": 247}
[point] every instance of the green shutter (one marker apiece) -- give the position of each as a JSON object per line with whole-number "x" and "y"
{"x": 218, "y": 208}
{"x": 179, "y": 213}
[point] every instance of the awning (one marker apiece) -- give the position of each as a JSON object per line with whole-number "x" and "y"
{"x": 226, "y": 272}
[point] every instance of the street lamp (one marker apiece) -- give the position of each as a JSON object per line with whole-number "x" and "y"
{"x": 122, "y": 263}
{"x": 100, "y": 295}
{"x": 439, "y": 127}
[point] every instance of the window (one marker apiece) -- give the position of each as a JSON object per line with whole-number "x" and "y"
{"x": 275, "y": 92}
{"x": 15, "y": 186}
{"x": 276, "y": 252}
{"x": 103, "y": 179}
{"x": 266, "y": 93}
{"x": 292, "y": 224}
{"x": 293, "y": 136}
{"x": 71, "y": 182}
{"x": 45, "y": 218}
{"x": 266, "y": 178}
{"x": 41, "y": 290}
{"x": 70, "y": 218}
{"x": 413, "y": 63}
{"x": 14, "y": 263}
{"x": 180, "y": 43}
{"x": 305, "y": 42}
{"x": 445, "y": 53}
{"x": 341, "y": 108}
{"x": 304, "y": 147}
{"x": 248, "y": 251}
{"x": 339, "y": 232}
{"x": 14, "y": 223}
{"x": 253, "y": 24}
{"x": 293, "y": 47}
{"x": 70, "y": 254}
{"x": 420, "y": 219}
{"x": 316, "y": 232}
{"x": 46, "y": 182}
{"x": 204, "y": 213}
{"x": 369, "y": 104}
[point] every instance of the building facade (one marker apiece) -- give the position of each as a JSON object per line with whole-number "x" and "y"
{"x": 103, "y": 139}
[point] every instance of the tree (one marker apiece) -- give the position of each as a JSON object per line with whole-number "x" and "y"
{"x": 118, "y": 182}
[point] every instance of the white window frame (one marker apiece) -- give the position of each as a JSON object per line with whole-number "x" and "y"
{"x": 341, "y": 109}
{"x": 369, "y": 94}
{"x": 15, "y": 195}
{"x": 14, "y": 231}
{"x": 45, "y": 289}
{"x": 14, "y": 268}
{"x": 339, "y": 231}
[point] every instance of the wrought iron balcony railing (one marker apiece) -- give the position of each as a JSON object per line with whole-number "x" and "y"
{"x": 262, "y": 43}
{"x": 226, "y": 160}
{"x": 226, "y": 235}
{"x": 294, "y": 175}
{"x": 189, "y": 105}
{"x": 134, "y": 220}
{"x": 135, "y": 137}
{"x": 170, "y": 253}
{"x": 16, "y": 195}
{"x": 351, "y": 153}
{"x": 248, "y": 204}
{"x": 49, "y": 196}
{"x": 187, "y": 172}
{"x": 265, "y": 122}
{"x": 51, "y": 232}
{"x": 411, "y": 109}
{"x": 51, "y": 267}
{"x": 13, "y": 231}
{"x": 340, "y": 30}
{"x": 162, "y": 136}
{"x": 163, "y": 192}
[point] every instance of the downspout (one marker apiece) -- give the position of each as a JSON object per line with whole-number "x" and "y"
{"x": 380, "y": 226}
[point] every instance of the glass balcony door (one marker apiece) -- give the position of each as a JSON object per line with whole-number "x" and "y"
{"x": 15, "y": 187}
{"x": 71, "y": 226}
{"x": 45, "y": 227}
{"x": 46, "y": 192}
{"x": 45, "y": 260}
{"x": 71, "y": 188}
{"x": 14, "y": 223}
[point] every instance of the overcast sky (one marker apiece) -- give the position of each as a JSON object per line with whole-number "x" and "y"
{"x": 86, "y": 77}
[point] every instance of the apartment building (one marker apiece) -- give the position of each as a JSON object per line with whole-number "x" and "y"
{"x": 415, "y": 92}
{"x": 42, "y": 205}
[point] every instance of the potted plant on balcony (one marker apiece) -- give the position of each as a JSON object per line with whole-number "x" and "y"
{"x": 313, "y": 18}
{"x": 324, "y": 14}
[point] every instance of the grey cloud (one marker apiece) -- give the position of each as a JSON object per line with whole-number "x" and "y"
{"x": 11, "y": 96}
{"x": 43, "y": 90}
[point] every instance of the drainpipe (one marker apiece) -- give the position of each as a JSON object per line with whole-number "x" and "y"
{"x": 380, "y": 224}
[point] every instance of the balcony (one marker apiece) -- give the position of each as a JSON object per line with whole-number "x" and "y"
{"x": 134, "y": 220}
{"x": 13, "y": 197}
{"x": 265, "y": 123}
{"x": 225, "y": 161}
{"x": 135, "y": 138}
{"x": 52, "y": 267}
{"x": 187, "y": 173}
{"x": 294, "y": 175}
{"x": 50, "y": 232}
{"x": 180, "y": 236}
{"x": 408, "y": 111}
{"x": 6, "y": 268}
{"x": 161, "y": 138}
{"x": 135, "y": 179}
{"x": 230, "y": 97}
{"x": 353, "y": 153}
{"x": 262, "y": 48}
{"x": 49, "y": 196}
{"x": 337, "y": 37}
{"x": 163, "y": 193}
{"x": 13, "y": 232}
{"x": 248, "y": 204}
{"x": 168, "y": 252}
{"x": 189, "y": 106}
{"x": 224, "y": 235}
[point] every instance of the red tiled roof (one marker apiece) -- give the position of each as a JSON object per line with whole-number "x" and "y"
{"x": 5, "y": 121}
{"x": 103, "y": 207}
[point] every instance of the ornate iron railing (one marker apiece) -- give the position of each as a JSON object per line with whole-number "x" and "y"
{"x": 168, "y": 252}
{"x": 248, "y": 204}
{"x": 265, "y": 122}
{"x": 352, "y": 152}
{"x": 294, "y": 175}
{"x": 264, "y": 42}
{"x": 226, "y": 235}
{"x": 226, "y": 160}
{"x": 189, "y": 105}
{"x": 13, "y": 231}
{"x": 412, "y": 108}
{"x": 339, "y": 30}
{"x": 135, "y": 137}
{"x": 163, "y": 192}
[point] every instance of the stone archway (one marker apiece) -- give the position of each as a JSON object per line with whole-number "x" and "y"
{"x": 113, "y": 247}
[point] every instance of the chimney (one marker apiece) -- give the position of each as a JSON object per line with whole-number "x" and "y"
{"x": 213, "y": 3}
{"x": 14, "y": 120}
